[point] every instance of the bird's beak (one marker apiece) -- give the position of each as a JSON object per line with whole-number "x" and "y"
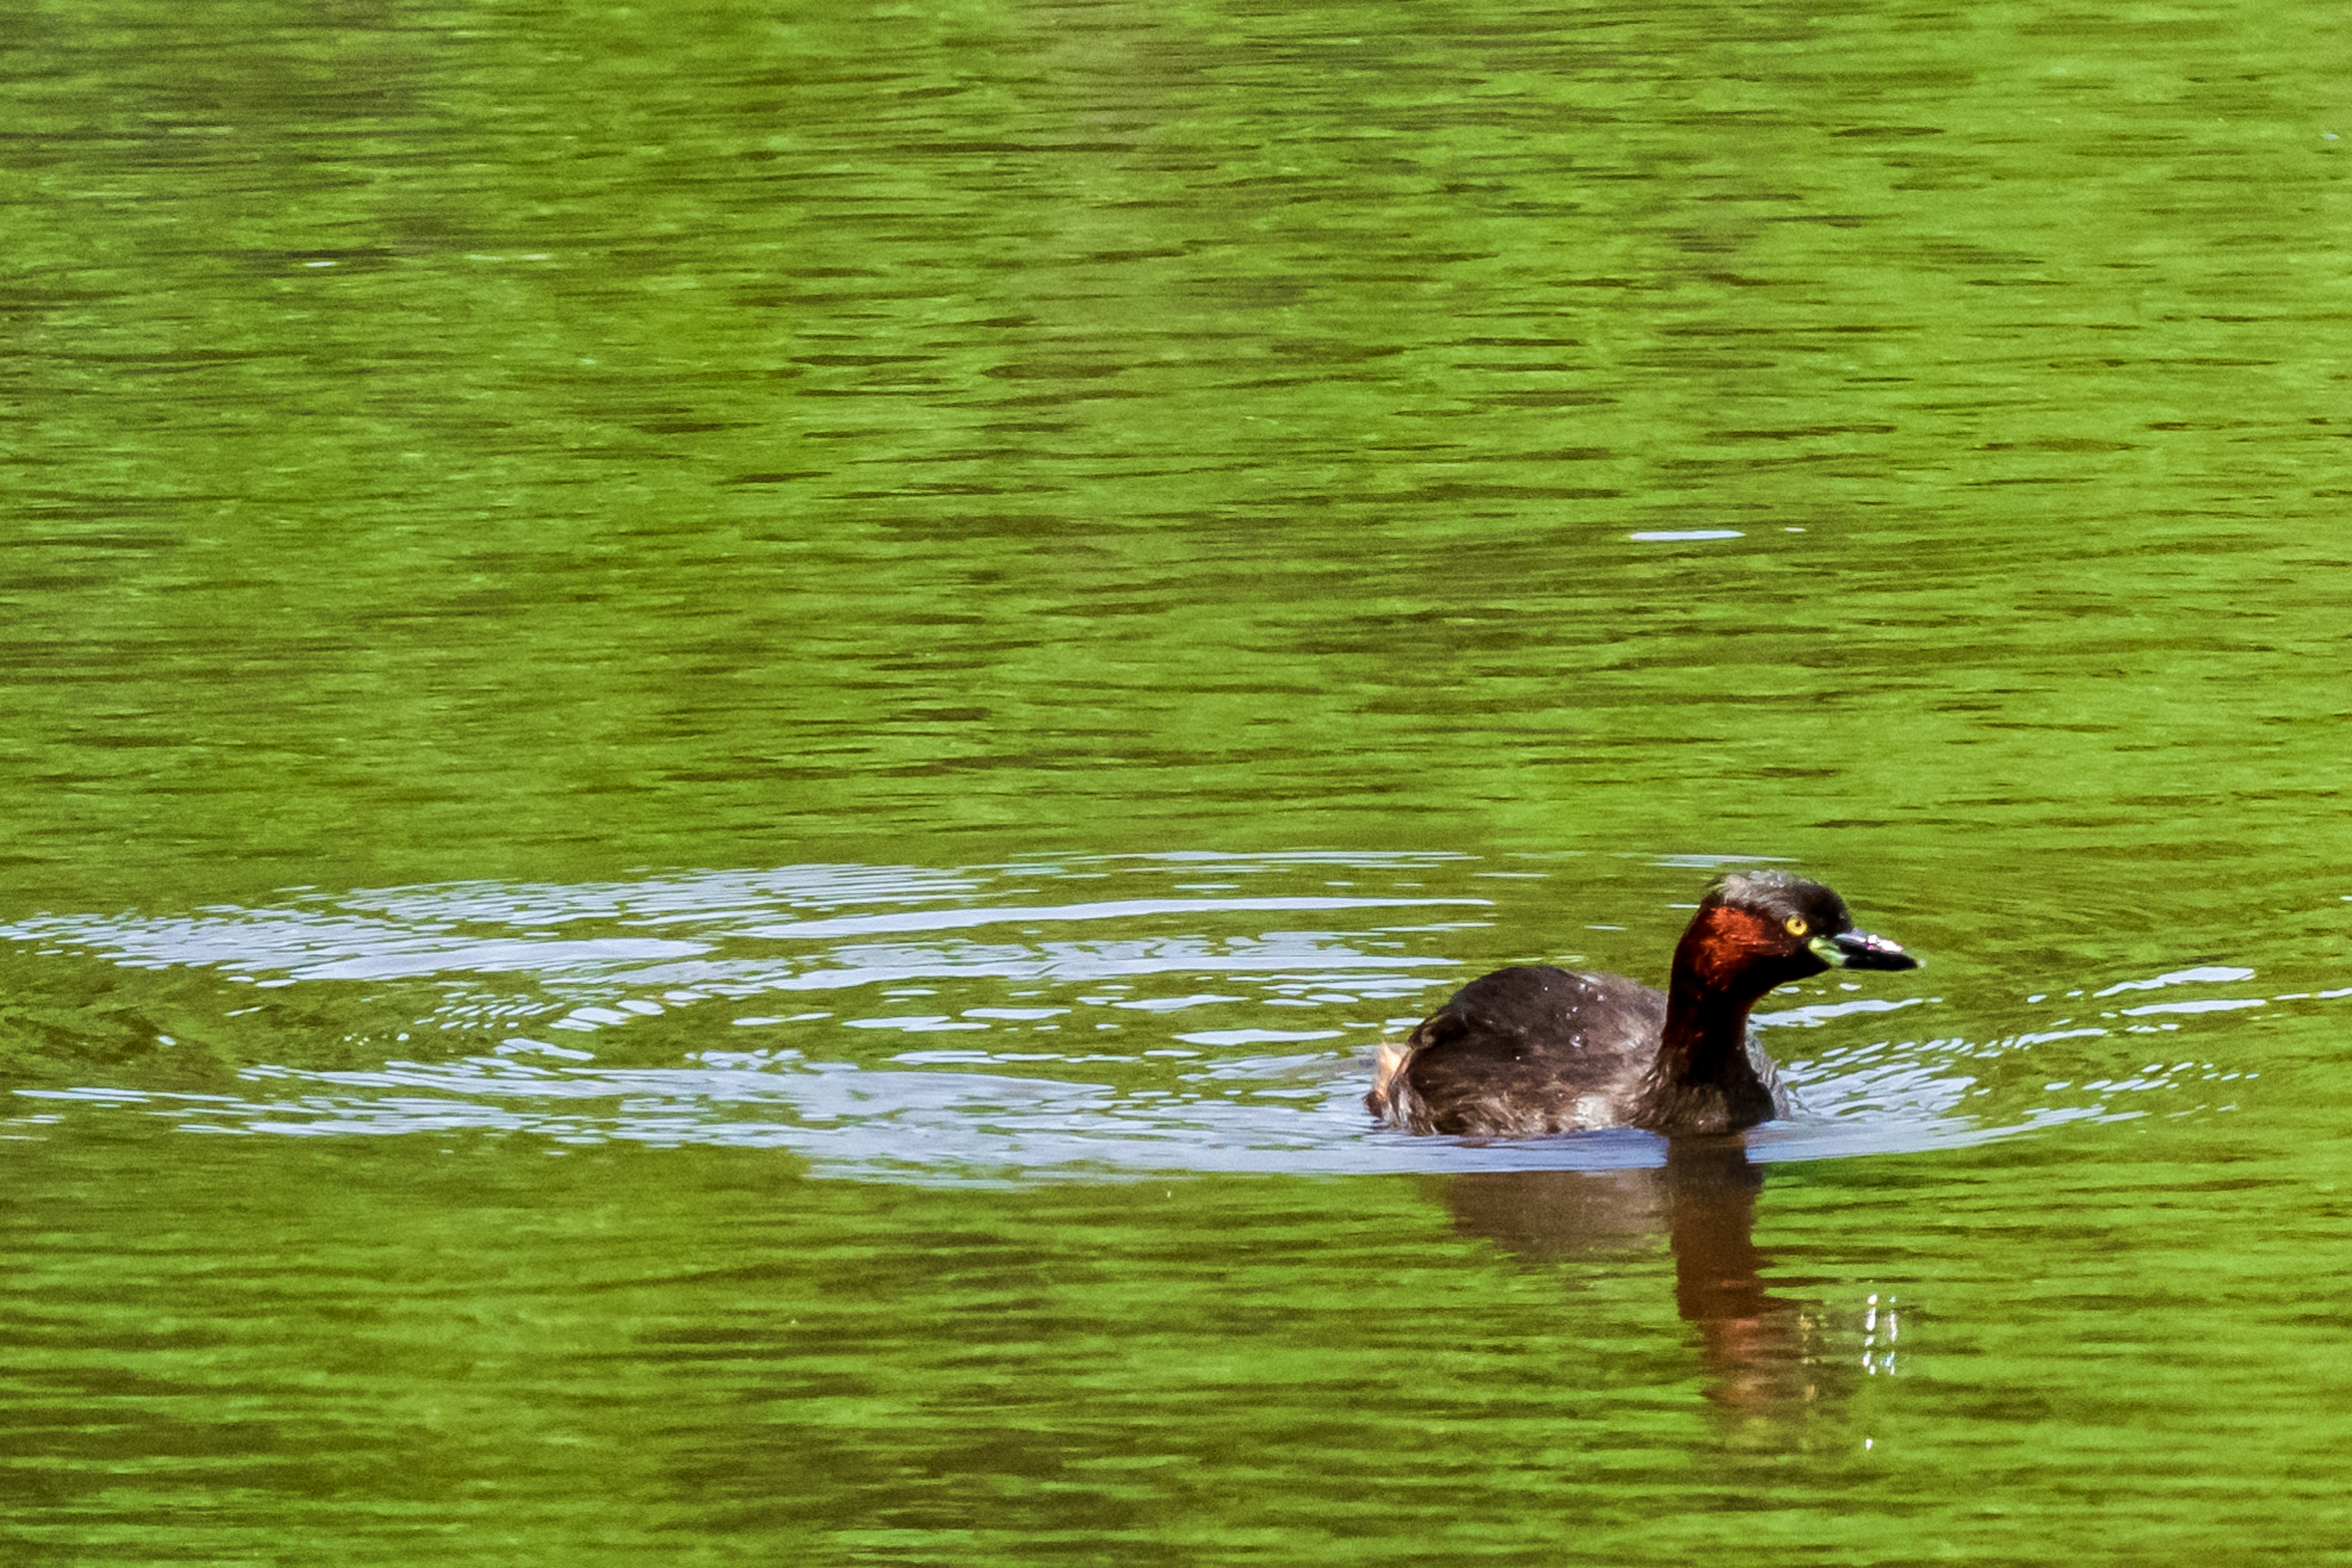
{"x": 1860, "y": 949}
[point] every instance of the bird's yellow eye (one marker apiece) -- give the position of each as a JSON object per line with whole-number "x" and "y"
{"x": 1796, "y": 925}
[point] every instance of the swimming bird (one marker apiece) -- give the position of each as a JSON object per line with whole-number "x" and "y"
{"x": 1534, "y": 1049}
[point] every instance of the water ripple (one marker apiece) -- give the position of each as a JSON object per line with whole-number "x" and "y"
{"x": 1139, "y": 1045}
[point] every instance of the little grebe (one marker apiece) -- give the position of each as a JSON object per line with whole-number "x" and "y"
{"x": 1535, "y": 1049}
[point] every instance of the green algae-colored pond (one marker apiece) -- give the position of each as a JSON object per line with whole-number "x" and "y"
{"x": 728, "y": 725}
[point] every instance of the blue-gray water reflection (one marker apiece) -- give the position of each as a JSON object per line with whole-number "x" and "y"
{"x": 1192, "y": 1012}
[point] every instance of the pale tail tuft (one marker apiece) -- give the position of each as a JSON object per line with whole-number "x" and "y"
{"x": 1384, "y": 1070}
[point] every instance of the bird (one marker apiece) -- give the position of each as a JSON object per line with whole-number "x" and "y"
{"x": 1534, "y": 1050}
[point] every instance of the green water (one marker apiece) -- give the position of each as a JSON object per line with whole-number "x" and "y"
{"x": 725, "y": 729}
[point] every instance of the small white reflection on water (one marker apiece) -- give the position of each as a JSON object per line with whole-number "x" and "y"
{"x": 2208, "y": 974}
{"x": 1110, "y": 910}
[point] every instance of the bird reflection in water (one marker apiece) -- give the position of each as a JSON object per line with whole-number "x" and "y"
{"x": 1763, "y": 1353}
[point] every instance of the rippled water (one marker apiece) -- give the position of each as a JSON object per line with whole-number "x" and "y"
{"x": 1181, "y": 1013}
{"x": 727, "y": 728}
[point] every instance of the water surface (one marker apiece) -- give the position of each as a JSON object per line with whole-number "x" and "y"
{"x": 727, "y": 728}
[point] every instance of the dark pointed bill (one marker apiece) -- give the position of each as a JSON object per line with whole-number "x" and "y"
{"x": 1860, "y": 949}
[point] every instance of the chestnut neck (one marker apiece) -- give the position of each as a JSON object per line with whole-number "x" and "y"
{"x": 1723, "y": 966}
